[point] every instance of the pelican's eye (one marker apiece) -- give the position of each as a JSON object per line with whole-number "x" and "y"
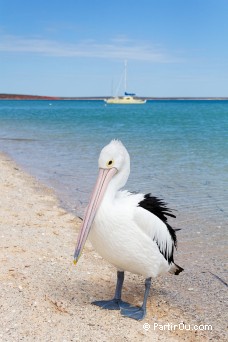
{"x": 110, "y": 163}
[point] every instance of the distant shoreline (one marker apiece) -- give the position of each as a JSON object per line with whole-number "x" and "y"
{"x": 95, "y": 98}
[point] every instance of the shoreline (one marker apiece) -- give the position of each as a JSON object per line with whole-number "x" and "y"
{"x": 39, "y": 280}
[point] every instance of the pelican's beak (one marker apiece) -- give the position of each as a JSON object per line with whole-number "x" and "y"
{"x": 103, "y": 179}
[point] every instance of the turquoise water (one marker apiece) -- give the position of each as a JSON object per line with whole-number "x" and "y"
{"x": 178, "y": 149}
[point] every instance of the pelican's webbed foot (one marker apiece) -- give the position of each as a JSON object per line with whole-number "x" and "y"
{"x": 134, "y": 312}
{"x": 112, "y": 304}
{"x": 116, "y": 303}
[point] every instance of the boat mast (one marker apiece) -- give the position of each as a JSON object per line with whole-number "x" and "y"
{"x": 125, "y": 75}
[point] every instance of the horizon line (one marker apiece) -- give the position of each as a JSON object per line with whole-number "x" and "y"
{"x": 8, "y": 96}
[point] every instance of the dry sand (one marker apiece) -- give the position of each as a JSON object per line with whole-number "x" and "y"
{"x": 44, "y": 297}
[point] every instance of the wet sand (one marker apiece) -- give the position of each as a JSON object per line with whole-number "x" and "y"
{"x": 44, "y": 297}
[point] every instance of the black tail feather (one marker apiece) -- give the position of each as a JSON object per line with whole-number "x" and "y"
{"x": 175, "y": 269}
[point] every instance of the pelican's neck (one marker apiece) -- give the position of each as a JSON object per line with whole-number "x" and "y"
{"x": 117, "y": 182}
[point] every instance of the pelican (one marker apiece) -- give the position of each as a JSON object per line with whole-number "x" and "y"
{"x": 129, "y": 230}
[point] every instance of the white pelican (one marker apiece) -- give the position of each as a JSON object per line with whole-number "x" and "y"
{"x": 129, "y": 230}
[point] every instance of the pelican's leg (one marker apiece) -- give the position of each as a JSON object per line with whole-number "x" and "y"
{"x": 116, "y": 303}
{"x": 136, "y": 312}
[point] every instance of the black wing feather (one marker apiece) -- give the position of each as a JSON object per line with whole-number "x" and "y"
{"x": 159, "y": 208}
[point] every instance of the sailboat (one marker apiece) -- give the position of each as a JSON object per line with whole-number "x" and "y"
{"x": 128, "y": 98}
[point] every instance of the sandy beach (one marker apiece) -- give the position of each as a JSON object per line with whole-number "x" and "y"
{"x": 44, "y": 297}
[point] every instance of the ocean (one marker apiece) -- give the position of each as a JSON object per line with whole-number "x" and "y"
{"x": 178, "y": 149}
{"x": 178, "y": 152}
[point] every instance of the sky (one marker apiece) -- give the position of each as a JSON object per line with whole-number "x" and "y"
{"x": 78, "y": 48}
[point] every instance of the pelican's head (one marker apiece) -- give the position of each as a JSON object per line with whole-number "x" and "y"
{"x": 114, "y": 169}
{"x": 115, "y": 156}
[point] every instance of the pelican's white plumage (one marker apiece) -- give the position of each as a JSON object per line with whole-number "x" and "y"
{"x": 128, "y": 230}
{"x": 123, "y": 233}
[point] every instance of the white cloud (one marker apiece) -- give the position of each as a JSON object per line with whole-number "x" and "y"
{"x": 119, "y": 48}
